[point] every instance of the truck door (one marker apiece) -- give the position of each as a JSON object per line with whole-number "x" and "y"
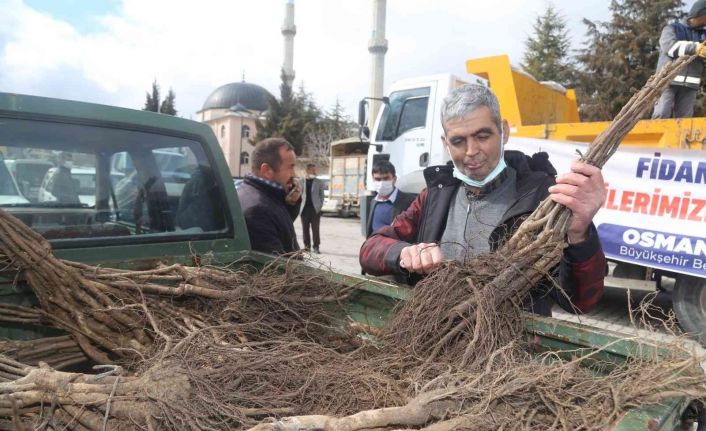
{"x": 404, "y": 128}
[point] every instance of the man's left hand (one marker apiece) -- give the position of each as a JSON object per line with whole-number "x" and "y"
{"x": 583, "y": 192}
{"x": 294, "y": 194}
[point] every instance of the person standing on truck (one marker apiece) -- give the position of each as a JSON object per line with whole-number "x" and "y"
{"x": 389, "y": 200}
{"x": 313, "y": 199}
{"x": 474, "y": 203}
{"x": 677, "y": 40}
{"x": 270, "y": 197}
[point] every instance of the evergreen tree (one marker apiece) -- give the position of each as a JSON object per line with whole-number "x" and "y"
{"x": 332, "y": 126}
{"x": 546, "y": 51}
{"x": 167, "y": 106}
{"x": 290, "y": 117}
{"x": 341, "y": 123}
{"x": 620, "y": 55}
{"x": 152, "y": 102}
{"x": 297, "y": 118}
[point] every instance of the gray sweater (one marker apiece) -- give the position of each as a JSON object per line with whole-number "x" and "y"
{"x": 472, "y": 218}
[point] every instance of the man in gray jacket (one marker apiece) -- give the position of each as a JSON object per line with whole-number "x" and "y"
{"x": 679, "y": 39}
{"x": 313, "y": 199}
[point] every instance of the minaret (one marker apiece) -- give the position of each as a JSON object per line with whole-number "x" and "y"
{"x": 288, "y": 31}
{"x": 377, "y": 48}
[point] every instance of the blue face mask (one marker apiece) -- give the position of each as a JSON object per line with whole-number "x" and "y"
{"x": 458, "y": 173}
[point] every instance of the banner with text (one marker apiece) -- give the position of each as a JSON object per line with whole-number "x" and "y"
{"x": 655, "y": 209}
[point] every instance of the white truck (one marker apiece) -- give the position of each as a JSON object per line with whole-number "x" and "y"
{"x": 653, "y": 223}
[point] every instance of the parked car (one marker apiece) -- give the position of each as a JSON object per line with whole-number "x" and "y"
{"x": 29, "y": 173}
{"x": 9, "y": 192}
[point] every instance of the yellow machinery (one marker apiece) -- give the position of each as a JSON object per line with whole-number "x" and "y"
{"x": 537, "y": 110}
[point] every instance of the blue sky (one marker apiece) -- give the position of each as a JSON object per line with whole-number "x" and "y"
{"x": 82, "y": 14}
{"x": 110, "y": 51}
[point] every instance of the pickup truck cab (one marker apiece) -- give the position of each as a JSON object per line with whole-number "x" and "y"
{"x": 154, "y": 206}
{"x": 150, "y": 206}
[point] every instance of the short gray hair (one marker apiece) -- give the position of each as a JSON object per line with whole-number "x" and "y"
{"x": 467, "y": 98}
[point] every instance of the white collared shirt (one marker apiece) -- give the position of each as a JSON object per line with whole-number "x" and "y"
{"x": 391, "y": 199}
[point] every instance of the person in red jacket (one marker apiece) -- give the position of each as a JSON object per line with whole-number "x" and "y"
{"x": 474, "y": 203}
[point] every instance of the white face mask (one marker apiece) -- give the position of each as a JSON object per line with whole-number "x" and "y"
{"x": 460, "y": 175}
{"x": 384, "y": 188}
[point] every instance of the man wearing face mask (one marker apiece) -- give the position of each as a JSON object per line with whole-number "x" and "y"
{"x": 389, "y": 200}
{"x": 313, "y": 198}
{"x": 475, "y": 203}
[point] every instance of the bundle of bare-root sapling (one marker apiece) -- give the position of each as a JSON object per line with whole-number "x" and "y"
{"x": 121, "y": 315}
{"x": 515, "y": 390}
{"x": 197, "y": 385}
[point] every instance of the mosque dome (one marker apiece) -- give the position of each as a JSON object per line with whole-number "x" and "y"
{"x": 241, "y": 94}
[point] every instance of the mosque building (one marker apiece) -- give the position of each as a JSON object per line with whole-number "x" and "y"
{"x": 232, "y": 109}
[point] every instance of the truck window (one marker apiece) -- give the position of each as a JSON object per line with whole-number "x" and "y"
{"x": 407, "y": 110}
{"x": 102, "y": 182}
{"x": 414, "y": 114}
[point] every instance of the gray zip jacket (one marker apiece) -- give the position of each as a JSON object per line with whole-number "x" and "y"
{"x": 670, "y": 48}
{"x": 317, "y": 194}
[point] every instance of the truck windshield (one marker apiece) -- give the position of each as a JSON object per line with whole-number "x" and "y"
{"x": 407, "y": 110}
{"x": 78, "y": 182}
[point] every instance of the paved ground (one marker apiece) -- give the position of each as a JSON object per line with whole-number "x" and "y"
{"x": 341, "y": 240}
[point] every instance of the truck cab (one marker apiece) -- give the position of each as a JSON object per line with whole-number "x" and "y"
{"x": 408, "y": 129}
{"x": 140, "y": 186}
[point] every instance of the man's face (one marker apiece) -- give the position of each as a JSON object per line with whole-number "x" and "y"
{"x": 311, "y": 170}
{"x": 474, "y": 142}
{"x": 285, "y": 175}
{"x": 377, "y": 176}
{"x": 699, "y": 21}
{"x": 66, "y": 160}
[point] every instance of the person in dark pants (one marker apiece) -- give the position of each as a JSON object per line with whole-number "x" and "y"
{"x": 677, "y": 40}
{"x": 313, "y": 190}
{"x": 271, "y": 197}
{"x": 389, "y": 200}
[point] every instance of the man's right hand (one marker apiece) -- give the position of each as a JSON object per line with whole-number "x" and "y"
{"x": 701, "y": 50}
{"x": 421, "y": 258}
{"x": 293, "y": 193}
